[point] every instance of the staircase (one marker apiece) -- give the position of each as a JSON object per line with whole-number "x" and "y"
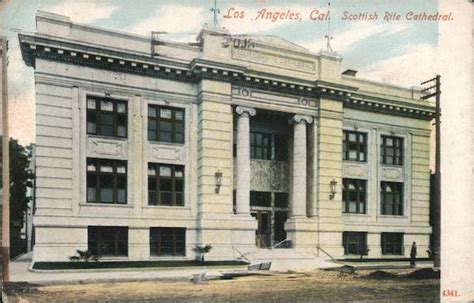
{"x": 289, "y": 259}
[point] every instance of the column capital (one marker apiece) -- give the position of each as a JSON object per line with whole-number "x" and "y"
{"x": 301, "y": 118}
{"x": 245, "y": 110}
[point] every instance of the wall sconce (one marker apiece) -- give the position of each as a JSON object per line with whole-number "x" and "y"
{"x": 218, "y": 176}
{"x": 333, "y": 185}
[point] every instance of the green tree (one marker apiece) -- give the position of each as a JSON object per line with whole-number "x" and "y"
{"x": 21, "y": 177}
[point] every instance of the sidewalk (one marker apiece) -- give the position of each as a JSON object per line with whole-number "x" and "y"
{"x": 20, "y": 272}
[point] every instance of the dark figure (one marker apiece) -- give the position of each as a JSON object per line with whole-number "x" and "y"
{"x": 413, "y": 254}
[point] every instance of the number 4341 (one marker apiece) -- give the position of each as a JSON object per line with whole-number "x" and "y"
{"x": 450, "y": 293}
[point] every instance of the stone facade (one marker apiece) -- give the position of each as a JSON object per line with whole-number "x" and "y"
{"x": 227, "y": 93}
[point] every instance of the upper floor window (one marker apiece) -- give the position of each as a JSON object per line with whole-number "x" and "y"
{"x": 165, "y": 184}
{"x": 354, "y": 146}
{"x": 106, "y": 117}
{"x": 392, "y": 198}
{"x": 165, "y": 124}
{"x": 106, "y": 181}
{"x": 392, "y": 243}
{"x": 354, "y": 196}
{"x": 260, "y": 146}
{"x": 391, "y": 150}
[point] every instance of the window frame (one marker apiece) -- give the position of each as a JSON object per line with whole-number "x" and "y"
{"x": 395, "y": 242}
{"x": 399, "y": 194}
{"x": 398, "y": 150}
{"x": 115, "y": 182}
{"x": 266, "y": 150}
{"x": 156, "y": 241}
{"x": 174, "y": 122}
{"x": 359, "y": 236}
{"x": 359, "y": 145}
{"x": 99, "y": 232}
{"x": 158, "y": 179}
{"x": 99, "y": 116}
{"x": 346, "y": 194}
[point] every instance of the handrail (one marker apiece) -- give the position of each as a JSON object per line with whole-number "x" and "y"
{"x": 332, "y": 258}
{"x": 241, "y": 254}
{"x": 281, "y": 242}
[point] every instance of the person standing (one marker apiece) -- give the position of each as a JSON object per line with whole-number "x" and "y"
{"x": 413, "y": 255}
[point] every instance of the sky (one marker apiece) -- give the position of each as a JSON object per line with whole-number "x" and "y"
{"x": 400, "y": 52}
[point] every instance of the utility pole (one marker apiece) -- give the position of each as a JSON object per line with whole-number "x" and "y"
{"x": 434, "y": 90}
{"x": 5, "y": 167}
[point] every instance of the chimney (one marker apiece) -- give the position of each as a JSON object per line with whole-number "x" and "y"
{"x": 350, "y": 72}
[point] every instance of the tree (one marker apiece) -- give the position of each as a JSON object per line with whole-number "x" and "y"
{"x": 21, "y": 177}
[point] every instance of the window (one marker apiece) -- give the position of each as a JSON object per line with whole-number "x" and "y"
{"x": 260, "y": 146}
{"x": 165, "y": 241}
{"x": 355, "y": 243}
{"x": 106, "y": 181}
{"x": 260, "y": 198}
{"x": 165, "y": 184}
{"x": 392, "y": 150}
{"x": 107, "y": 240}
{"x": 354, "y": 146}
{"x": 281, "y": 148}
{"x": 281, "y": 200}
{"x": 106, "y": 117}
{"x": 354, "y": 196}
{"x": 392, "y": 243}
{"x": 392, "y": 198}
{"x": 165, "y": 124}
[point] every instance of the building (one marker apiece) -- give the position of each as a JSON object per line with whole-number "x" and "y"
{"x": 146, "y": 148}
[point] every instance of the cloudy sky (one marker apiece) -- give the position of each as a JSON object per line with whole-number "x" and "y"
{"x": 401, "y": 52}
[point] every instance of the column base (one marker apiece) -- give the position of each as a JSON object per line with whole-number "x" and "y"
{"x": 303, "y": 232}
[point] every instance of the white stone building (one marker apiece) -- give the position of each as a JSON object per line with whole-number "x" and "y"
{"x": 143, "y": 152}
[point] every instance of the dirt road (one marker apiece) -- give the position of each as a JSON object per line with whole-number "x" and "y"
{"x": 312, "y": 287}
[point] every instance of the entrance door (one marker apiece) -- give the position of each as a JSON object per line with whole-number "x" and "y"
{"x": 263, "y": 234}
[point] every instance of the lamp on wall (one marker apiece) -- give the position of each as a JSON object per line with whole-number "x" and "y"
{"x": 218, "y": 176}
{"x": 333, "y": 185}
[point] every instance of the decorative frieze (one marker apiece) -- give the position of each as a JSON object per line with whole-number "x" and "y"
{"x": 167, "y": 153}
{"x": 353, "y": 170}
{"x": 106, "y": 147}
{"x": 392, "y": 174}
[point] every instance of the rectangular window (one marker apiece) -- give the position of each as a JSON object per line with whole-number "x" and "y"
{"x": 260, "y": 146}
{"x": 354, "y": 146}
{"x": 391, "y": 195}
{"x": 260, "y": 198}
{"x": 106, "y": 117}
{"x": 165, "y": 124}
{"x": 106, "y": 181}
{"x": 392, "y": 243}
{"x": 165, "y": 241}
{"x": 391, "y": 150}
{"x": 165, "y": 184}
{"x": 354, "y": 196}
{"x": 355, "y": 243}
{"x": 107, "y": 240}
{"x": 281, "y": 200}
{"x": 281, "y": 148}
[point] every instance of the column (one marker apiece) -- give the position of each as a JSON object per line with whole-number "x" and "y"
{"x": 243, "y": 159}
{"x": 299, "y": 180}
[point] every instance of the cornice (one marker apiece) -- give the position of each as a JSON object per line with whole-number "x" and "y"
{"x": 33, "y": 47}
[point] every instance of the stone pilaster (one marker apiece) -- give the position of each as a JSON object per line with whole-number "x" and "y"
{"x": 243, "y": 159}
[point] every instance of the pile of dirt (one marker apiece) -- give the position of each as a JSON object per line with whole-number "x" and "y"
{"x": 20, "y": 287}
{"x": 380, "y": 274}
{"x": 424, "y": 273}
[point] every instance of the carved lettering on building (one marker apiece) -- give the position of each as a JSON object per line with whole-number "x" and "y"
{"x": 278, "y": 61}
